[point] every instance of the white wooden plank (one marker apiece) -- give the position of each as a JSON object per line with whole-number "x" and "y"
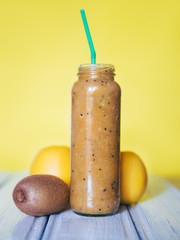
{"x": 157, "y": 216}
{"x": 9, "y": 214}
{"x": 70, "y": 226}
{"x": 13, "y": 223}
{"x": 29, "y": 228}
{"x": 3, "y": 177}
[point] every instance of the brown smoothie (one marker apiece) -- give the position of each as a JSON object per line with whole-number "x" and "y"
{"x": 95, "y": 141}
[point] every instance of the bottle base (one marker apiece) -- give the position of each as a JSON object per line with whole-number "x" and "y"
{"x": 95, "y": 215}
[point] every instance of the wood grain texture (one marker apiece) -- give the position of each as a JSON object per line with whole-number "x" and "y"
{"x": 66, "y": 225}
{"x": 15, "y": 225}
{"x": 9, "y": 214}
{"x": 71, "y": 226}
{"x": 3, "y": 177}
{"x": 30, "y": 228}
{"x": 157, "y": 215}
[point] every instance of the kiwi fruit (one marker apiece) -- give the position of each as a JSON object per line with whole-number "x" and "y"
{"x": 39, "y": 195}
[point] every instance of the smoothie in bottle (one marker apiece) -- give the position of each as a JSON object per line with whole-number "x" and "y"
{"x": 95, "y": 133}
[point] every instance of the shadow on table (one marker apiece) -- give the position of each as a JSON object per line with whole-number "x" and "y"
{"x": 34, "y": 227}
{"x": 122, "y": 208}
{"x": 174, "y": 181}
{"x": 30, "y": 228}
{"x": 22, "y": 228}
{"x": 156, "y": 186}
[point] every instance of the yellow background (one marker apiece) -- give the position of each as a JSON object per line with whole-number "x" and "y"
{"x": 43, "y": 42}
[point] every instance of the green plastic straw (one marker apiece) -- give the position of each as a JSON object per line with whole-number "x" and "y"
{"x": 88, "y": 35}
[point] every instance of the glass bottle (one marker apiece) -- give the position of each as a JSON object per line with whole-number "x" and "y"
{"x": 95, "y": 141}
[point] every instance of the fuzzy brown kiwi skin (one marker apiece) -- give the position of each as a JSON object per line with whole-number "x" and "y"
{"x": 40, "y": 195}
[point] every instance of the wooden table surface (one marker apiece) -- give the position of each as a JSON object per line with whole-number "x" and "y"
{"x": 156, "y": 216}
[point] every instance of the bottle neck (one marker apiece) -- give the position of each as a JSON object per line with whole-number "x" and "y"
{"x": 96, "y": 71}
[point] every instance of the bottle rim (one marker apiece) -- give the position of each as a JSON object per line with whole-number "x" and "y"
{"x": 99, "y": 68}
